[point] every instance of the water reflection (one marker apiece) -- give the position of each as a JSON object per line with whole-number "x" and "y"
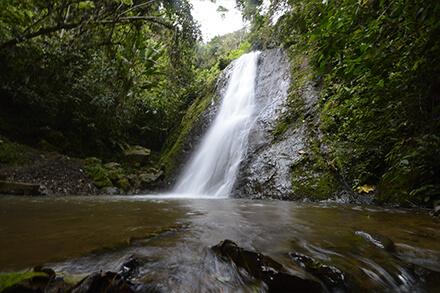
{"x": 90, "y": 234}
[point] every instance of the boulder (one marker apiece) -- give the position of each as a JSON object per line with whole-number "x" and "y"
{"x": 112, "y": 166}
{"x": 114, "y": 171}
{"x": 106, "y": 282}
{"x": 147, "y": 180}
{"x": 137, "y": 155}
{"x": 333, "y": 278}
{"x": 124, "y": 184}
{"x": 264, "y": 268}
{"x": 19, "y": 188}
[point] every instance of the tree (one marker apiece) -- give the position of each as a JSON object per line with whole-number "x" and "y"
{"x": 101, "y": 73}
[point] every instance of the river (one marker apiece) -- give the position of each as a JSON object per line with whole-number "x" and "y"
{"x": 170, "y": 236}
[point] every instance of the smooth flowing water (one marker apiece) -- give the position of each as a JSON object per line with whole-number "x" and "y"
{"x": 213, "y": 169}
{"x": 171, "y": 236}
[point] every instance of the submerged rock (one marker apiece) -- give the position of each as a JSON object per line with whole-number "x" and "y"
{"x": 264, "y": 268}
{"x": 378, "y": 240}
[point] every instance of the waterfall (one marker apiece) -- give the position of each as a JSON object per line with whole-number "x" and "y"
{"x": 213, "y": 168}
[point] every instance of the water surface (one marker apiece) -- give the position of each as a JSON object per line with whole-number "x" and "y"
{"x": 92, "y": 234}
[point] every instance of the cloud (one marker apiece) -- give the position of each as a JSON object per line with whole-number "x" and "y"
{"x": 211, "y": 21}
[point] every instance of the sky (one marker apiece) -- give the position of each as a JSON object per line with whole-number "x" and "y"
{"x": 212, "y": 25}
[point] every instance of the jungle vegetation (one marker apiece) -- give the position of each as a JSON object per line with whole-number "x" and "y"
{"x": 378, "y": 64}
{"x": 89, "y": 77}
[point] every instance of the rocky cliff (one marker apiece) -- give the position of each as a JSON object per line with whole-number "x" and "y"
{"x": 285, "y": 158}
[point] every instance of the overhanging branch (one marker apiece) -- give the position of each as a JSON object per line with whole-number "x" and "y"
{"x": 67, "y": 26}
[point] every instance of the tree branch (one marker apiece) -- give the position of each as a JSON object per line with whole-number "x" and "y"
{"x": 137, "y": 6}
{"x": 40, "y": 32}
{"x": 68, "y": 26}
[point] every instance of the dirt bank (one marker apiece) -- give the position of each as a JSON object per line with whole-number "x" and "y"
{"x": 56, "y": 174}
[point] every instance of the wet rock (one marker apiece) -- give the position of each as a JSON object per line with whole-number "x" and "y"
{"x": 265, "y": 171}
{"x": 107, "y": 282}
{"x": 19, "y": 188}
{"x": 264, "y": 268}
{"x": 378, "y": 240}
{"x": 130, "y": 268}
{"x": 110, "y": 190}
{"x": 137, "y": 155}
{"x": 331, "y": 277}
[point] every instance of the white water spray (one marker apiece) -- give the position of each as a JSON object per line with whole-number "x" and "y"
{"x": 213, "y": 168}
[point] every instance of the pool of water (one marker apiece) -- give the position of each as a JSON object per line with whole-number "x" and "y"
{"x": 171, "y": 236}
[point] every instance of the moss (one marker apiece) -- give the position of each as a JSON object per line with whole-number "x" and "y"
{"x": 124, "y": 184}
{"x": 9, "y": 280}
{"x": 13, "y": 154}
{"x": 175, "y": 143}
{"x": 98, "y": 174}
{"x": 300, "y": 75}
{"x": 313, "y": 177}
{"x": 314, "y": 185}
{"x": 300, "y": 70}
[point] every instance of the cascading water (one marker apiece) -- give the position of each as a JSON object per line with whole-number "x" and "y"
{"x": 213, "y": 168}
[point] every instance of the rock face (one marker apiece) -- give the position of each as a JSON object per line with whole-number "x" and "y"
{"x": 265, "y": 171}
{"x": 286, "y": 158}
{"x": 193, "y": 126}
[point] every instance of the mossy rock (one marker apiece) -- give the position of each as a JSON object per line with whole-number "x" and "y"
{"x": 171, "y": 154}
{"x": 104, "y": 182}
{"x": 313, "y": 178}
{"x": 13, "y": 279}
{"x": 313, "y": 185}
{"x": 124, "y": 184}
{"x": 137, "y": 155}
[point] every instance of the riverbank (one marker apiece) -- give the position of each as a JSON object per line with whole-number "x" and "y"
{"x": 57, "y": 174}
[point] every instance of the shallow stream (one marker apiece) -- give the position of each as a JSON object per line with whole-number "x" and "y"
{"x": 170, "y": 236}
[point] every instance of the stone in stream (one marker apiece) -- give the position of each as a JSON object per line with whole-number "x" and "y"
{"x": 264, "y": 268}
{"x": 105, "y": 282}
{"x": 332, "y": 277}
{"x": 378, "y": 240}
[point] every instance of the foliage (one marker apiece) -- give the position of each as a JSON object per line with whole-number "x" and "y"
{"x": 12, "y": 153}
{"x": 98, "y": 174}
{"x": 102, "y": 73}
{"x": 222, "y": 50}
{"x": 379, "y": 65}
